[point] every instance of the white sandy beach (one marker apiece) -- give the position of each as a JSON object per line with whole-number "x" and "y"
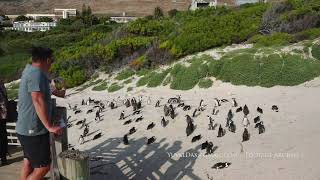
{"x": 287, "y": 150}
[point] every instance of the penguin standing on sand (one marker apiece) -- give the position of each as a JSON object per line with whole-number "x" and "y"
{"x": 217, "y": 102}
{"x": 125, "y": 139}
{"x": 261, "y": 128}
{"x": 245, "y": 110}
{"x": 232, "y": 127}
{"x": 210, "y": 123}
{"x": 157, "y": 104}
{"x": 166, "y": 110}
{"x": 189, "y": 119}
{"x": 256, "y": 119}
{"x": 81, "y": 139}
{"x": 163, "y": 122}
{"x": 245, "y": 135}
{"x": 121, "y": 115}
{"x": 245, "y": 121}
{"x": 194, "y": 113}
{"x": 220, "y": 131}
{"x": 209, "y": 149}
{"x": 190, "y": 128}
{"x": 234, "y": 102}
{"x": 149, "y": 101}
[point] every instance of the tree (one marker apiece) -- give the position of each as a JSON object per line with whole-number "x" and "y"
{"x": 158, "y": 13}
{"x": 89, "y": 12}
{"x": 44, "y": 19}
{"x": 84, "y": 10}
{"x": 22, "y": 18}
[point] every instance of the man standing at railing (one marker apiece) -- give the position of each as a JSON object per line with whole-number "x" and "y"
{"x": 3, "y": 119}
{"x": 34, "y": 115}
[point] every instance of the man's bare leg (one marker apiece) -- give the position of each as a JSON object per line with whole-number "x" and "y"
{"x": 39, "y": 173}
{"x": 26, "y": 169}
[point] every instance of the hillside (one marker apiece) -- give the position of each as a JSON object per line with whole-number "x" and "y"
{"x": 131, "y": 7}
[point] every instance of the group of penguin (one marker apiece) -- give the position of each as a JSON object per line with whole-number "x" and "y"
{"x": 170, "y": 110}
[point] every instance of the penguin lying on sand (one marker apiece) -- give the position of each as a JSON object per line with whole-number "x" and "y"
{"x": 221, "y": 165}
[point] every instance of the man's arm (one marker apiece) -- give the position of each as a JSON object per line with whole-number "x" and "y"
{"x": 41, "y": 109}
{"x": 59, "y": 93}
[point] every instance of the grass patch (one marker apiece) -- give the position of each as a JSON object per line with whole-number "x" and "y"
{"x": 103, "y": 86}
{"x": 129, "y": 89}
{"x": 11, "y": 65}
{"x": 114, "y": 87}
{"x": 128, "y": 81}
{"x": 157, "y": 78}
{"x": 143, "y": 72}
{"x": 125, "y": 74}
{"x": 205, "y": 83}
{"x": 145, "y": 79}
{"x": 167, "y": 81}
{"x": 89, "y": 84}
{"x": 315, "y": 51}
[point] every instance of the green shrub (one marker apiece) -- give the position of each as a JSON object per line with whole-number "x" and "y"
{"x": 308, "y": 34}
{"x": 129, "y": 89}
{"x": 316, "y": 51}
{"x": 128, "y": 81}
{"x": 12, "y": 94}
{"x": 157, "y": 78}
{"x": 167, "y": 81}
{"x": 103, "y": 86}
{"x": 125, "y": 74}
{"x": 205, "y": 83}
{"x": 143, "y": 72}
{"x": 276, "y": 39}
{"x": 114, "y": 87}
{"x": 145, "y": 79}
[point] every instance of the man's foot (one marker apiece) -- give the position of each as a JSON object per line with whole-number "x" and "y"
{"x": 3, "y": 162}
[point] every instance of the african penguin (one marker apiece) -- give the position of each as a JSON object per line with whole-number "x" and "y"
{"x": 204, "y": 145}
{"x": 163, "y": 122}
{"x": 127, "y": 122}
{"x": 81, "y": 139}
{"x": 221, "y": 165}
{"x": 217, "y": 102}
{"x": 190, "y": 128}
{"x": 220, "y": 131}
{"x": 245, "y": 121}
{"x": 149, "y": 101}
{"x": 150, "y": 126}
{"x": 96, "y": 136}
{"x": 151, "y": 140}
{"x": 256, "y": 119}
{"x": 275, "y": 108}
{"x": 245, "y": 110}
{"x": 125, "y": 139}
{"x": 196, "y": 138}
{"x": 239, "y": 109}
{"x": 260, "y": 110}
{"x": 234, "y": 102}
{"x": 121, "y": 115}
{"x": 132, "y": 130}
{"x": 157, "y": 104}
{"x": 245, "y": 135}
{"x": 232, "y": 127}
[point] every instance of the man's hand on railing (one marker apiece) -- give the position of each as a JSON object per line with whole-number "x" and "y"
{"x": 57, "y": 130}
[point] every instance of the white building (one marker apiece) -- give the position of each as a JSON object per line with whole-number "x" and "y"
{"x": 37, "y": 16}
{"x": 65, "y": 13}
{"x": 196, "y": 4}
{"x": 31, "y": 26}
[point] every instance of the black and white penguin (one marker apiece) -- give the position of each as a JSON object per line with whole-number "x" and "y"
{"x": 83, "y": 123}
{"x": 209, "y": 149}
{"x": 150, "y": 126}
{"x": 200, "y": 104}
{"x": 196, "y": 138}
{"x": 139, "y": 119}
{"x": 97, "y": 136}
{"x": 132, "y": 130}
{"x": 190, "y": 128}
{"x": 217, "y": 102}
{"x": 256, "y": 119}
{"x": 157, "y": 104}
{"x": 151, "y": 140}
{"x": 125, "y": 139}
{"x": 260, "y": 110}
{"x": 224, "y": 100}
{"x": 172, "y": 113}
{"x": 245, "y": 121}
{"x": 97, "y": 116}
{"x": 275, "y": 108}
{"x": 121, "y": 115}
{"x": 221, "y": 165}
{"x": 79, "y": 122}
{"x": 261, "y": 128}
{"x": 189, "y": 119}
{"x": 220, "y": 131}
{"x": 232, "y": 127}
{"x": 136, "y": 112}
{"x": 77, "y": 111}
{"x": 258, "y": 124}
{"x": 245, "y": 110}
{"x": 166, "y": 110}
{"x": 210, "y": 122}
{"x": 234, "y": 102}
{"x": 181, "y": 105}
{"x": 230, "y": 115}
{"x": 82, "y": 102}
{"x": 186, "y": 108}
{"x": 81, "y": 139}
{"x": 127, "y": 122}
{"x": 127, "y": 103}
{"x": 204, "y": 145}
{"x": 245, "y": 135}
{"x": 112, "y": 104}
{"x": 86, "y": 130}
{"x": 163, "y": 122}
{"x": 69, "y": 106}
{"x": 194, "y": 113}
{"x": 239, "y": 109}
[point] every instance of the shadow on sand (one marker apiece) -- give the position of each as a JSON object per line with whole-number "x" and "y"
{"x": 113, "y": 160}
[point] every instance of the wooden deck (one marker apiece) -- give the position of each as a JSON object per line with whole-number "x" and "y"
{"x": 12, "y": 171}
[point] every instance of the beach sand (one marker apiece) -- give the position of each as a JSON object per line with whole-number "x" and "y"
{"x": 287, "y": 150}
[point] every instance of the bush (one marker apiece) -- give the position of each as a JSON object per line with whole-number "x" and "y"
{"x": 129, "y": 89}
{"x": 145, "y": 79}
{"x": 103, "y": 86}
{"x": 157, "y": 78}
{"x": 167, "y": 81}
{"x": 275, "y": 39}
{"x": 205, "y": 83}
{"x": 125, "y": 74}
{"x": 127, "y": 81}
{"x": 114, "y": 87}
{"x": 143, "y": 72}
{"x": 308, "y": 34}
{"x": 316, "y": 51}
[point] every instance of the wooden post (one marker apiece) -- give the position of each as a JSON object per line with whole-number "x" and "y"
{"x": 74, "y": 165}
{"x": 58, "y": 143}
